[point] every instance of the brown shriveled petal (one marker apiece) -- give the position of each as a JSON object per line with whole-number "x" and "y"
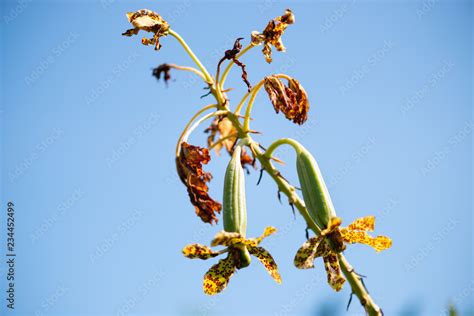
{"x": 224, "y": 127}
{"x": 162, "y": 69}
{"x": 148, "y": 21}
{"x": 189, "y": 166}
{"x": 247, "y": 160}
{"x": 291, "y": 100}
{"x": 272, "y": 34}
{"x": 231, "y": 54}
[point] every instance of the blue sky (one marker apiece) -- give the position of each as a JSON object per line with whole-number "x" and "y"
{"x": 88, "y": 138}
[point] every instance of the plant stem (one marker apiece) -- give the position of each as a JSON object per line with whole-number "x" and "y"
{"x": 191, "y": 69}
{"x": 186, "y": 128}
{"x": 250, "y": 105}
{"x": 191, "y": 54}
{"x": 283, "y": 186}
{"x": 358, "y": 288}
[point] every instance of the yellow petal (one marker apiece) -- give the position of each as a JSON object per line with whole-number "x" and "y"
{"x": 194, "y": 251}
{"x": 304, "y": 258}
{"x": 335, "y": 278}
{"x": 267, "y": 260}
{"x": 217, "y": 278}
{"x": 365, "y": 223}
{"x": 379, "y": 243}
{"x": 224, "y": 238}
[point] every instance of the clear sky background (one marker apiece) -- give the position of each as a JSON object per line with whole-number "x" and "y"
{"x": 88, "y": 138}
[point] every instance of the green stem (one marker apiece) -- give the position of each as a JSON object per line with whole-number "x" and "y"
{"x": 283, "y": 186}
{"x": 278, "y": 143}
{"x": 358, "y": 288}
{"x": 255, "y": 90}
{"x": 193, "y": 56}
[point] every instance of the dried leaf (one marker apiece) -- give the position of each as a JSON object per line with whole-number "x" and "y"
{"x": 189, "y": 166}
{"x": 291, "y": 100}
{"x": 272, "y": 34}
{"x": 148, "y": 21}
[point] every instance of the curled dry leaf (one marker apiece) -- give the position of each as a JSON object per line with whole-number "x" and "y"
{"x": 189, "y": 166}
{"x": 148, "y": 21}
{"x": 272, "y": 34}
{"x": 162, "y": 69}
{"x": 292, "y": 100}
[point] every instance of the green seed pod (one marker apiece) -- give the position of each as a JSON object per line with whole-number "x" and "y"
{"x": 234, "y": 204}
{"x": 315, "y": 193}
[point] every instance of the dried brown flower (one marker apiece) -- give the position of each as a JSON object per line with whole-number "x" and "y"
{"x": 148, "y": 21}
{"x": 189, "y": 166}
{"x": 272, "y": 34}
{"x": 292, "y": 100}
{"x": 231, "y": 54}
{"x": 224, "y": 127}
{"x": 162, "y": 69}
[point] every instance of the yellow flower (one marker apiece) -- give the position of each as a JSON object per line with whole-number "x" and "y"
{"x": 272, "y": 34}
{"x": 331, "y": 241}
{"x": 217, "y": 278}
{"x": 148, "y": 21}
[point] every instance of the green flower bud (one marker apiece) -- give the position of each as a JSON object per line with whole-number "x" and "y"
{"x": 315, "y": 193}
{"x": 234, "y": 203}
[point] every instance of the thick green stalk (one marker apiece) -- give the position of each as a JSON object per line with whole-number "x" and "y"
{"x": 358, "y": 288}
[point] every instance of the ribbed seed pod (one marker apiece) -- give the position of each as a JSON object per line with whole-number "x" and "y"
{"x": 234, "y": 203}
{"x": 315, "y": 193}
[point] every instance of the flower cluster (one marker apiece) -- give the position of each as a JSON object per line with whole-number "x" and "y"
{"x": 331, "y": 241}
{"x": 218, "y": 276}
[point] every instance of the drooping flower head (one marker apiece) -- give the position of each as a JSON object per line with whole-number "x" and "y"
{"x": 218, "y": 276}
{"x": 292, "y": 100}
{"x": 148, "y": 21}
{"x": 189, "y": 166}
{"x": 331, "y": 241}
{"x": 271, "y": 35}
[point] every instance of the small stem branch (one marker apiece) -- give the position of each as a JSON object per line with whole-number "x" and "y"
{"x": 190, "y": 69}
{"x": 186, "y": 128}
{"x": 284, "y": 186}
{"x": 193, "y": 56}
{"x": 358, "y": 288}
{"x": 250, "y": 104}
{"x": 222, "y": 140}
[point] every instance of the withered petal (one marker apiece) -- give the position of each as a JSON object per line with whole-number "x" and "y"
{"x": 292, "y": 100}
{"x": 148, "y": 21}
{"x": 189, "y": 166}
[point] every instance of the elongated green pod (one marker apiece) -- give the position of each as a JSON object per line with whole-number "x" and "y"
{"x": 234, "y": 203}
{"x": 315, "y": 193}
